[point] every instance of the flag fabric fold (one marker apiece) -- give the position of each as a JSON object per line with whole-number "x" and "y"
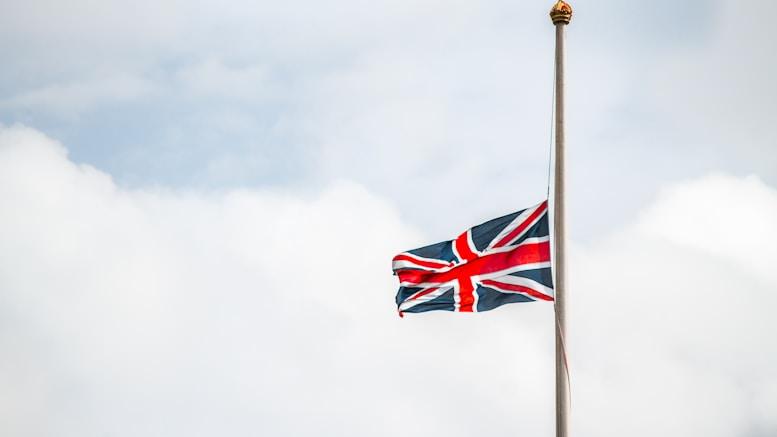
{"x": 504, "y": 260}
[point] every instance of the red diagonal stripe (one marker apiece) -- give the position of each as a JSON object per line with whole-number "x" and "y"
{"x": 421, "y": 262}
{"x": 522, "y": 227}
{"x": 519, "y": 288}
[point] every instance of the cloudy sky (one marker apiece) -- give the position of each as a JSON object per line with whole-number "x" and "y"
{"x": 200, "y": 202}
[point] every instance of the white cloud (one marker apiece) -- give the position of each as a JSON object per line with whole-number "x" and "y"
{"x": 673, "y": 316}
{"x": 195, "y": 313}
{"x": 731, "y": 218}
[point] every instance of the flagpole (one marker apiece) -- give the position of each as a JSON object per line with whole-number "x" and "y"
{"x": 561, "y": 14}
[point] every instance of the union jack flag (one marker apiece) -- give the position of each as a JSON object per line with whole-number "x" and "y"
{"x": 504, "y": 260}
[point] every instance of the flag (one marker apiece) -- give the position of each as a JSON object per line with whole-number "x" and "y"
{"x": 504, "y": 260}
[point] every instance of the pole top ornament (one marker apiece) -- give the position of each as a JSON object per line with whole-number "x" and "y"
{"x": 561, "y": 13}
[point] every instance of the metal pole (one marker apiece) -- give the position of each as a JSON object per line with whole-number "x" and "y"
{"x": 561, "y": 14}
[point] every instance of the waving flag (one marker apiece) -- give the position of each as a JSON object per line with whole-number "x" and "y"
{"x": 504, "y": 260}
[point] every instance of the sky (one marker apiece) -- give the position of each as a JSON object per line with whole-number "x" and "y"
{"x": 200, "y": 204}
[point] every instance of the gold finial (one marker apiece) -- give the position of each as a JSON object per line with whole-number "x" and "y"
{"x": 561, "y": 13}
